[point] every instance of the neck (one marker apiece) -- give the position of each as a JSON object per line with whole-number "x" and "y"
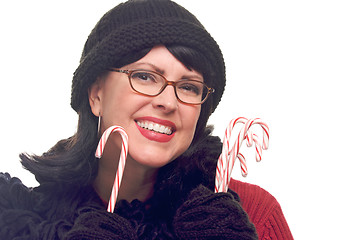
{"x": 137, "y": 181}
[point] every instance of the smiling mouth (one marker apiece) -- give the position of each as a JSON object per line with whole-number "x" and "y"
{"x": 155, "y": 127}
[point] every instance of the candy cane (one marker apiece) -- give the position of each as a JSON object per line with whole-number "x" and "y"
{"x": 245, "y": 133}
{"x": 223, "y": 158}
{"x": 242, "y": 159}
{"x": 123, "y": 155}
{"x": 227, "y": 158}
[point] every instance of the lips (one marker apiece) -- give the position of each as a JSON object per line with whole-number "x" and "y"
{"x": 156, "y": 129}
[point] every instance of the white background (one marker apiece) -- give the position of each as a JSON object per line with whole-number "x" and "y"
{"x": 295, "y": 64}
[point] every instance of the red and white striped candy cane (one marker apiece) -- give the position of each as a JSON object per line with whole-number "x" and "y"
{"x": 123, "y": 156}
{"x": 224, "y": 158}
{"x": 227, "y": 158}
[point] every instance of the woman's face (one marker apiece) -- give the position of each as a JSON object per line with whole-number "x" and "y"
{"x": 120, "y": 105}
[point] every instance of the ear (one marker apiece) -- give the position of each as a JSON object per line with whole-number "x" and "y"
{"x": 95, "y": 96}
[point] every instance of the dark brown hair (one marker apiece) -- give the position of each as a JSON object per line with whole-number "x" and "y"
{"x": 72, "y": 160}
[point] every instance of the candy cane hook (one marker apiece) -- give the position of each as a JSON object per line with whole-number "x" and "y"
{"x": 123, "y": 155}
{"x": 227, "y": 158}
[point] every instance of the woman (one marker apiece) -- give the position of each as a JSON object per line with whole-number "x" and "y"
{"x": 150, "y": 67}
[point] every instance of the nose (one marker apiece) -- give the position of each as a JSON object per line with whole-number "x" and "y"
{"x": 166, "y": 101}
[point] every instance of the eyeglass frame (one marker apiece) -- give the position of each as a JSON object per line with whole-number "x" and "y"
{"x": 166, "y": 83}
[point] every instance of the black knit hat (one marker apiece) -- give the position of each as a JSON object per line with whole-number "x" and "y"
{"x": 137, "y": 25}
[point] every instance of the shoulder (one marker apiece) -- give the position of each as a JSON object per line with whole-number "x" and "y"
{"x": 13, "y": 193}
{"x": 47, "y": 210}
{"x": 15, "y": 207}
{"x": 250, "y": 194}
{"x": 263, "y": 210}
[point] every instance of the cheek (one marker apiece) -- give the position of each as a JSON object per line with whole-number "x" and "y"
{"x": 110, "y": 108}
{"x": 116, "y": 109}
{"x": 196, "y": 115}
{"x": 191, "y": 120}
{"x": 189, "y": 124}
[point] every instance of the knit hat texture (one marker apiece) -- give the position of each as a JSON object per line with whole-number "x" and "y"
{"x": 134, "y": 26}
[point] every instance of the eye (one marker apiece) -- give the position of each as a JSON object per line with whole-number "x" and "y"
{"x": 144, "y": 77}
{"x": 190, "y": 87}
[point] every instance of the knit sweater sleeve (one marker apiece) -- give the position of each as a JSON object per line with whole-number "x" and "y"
{"x": 263, "y": 210}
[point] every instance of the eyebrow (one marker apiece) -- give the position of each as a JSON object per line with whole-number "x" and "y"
{"x": 155, "y": 68}
{"x": 160, "y": 71}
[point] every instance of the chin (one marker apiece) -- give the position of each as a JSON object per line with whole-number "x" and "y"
{"x": 152, "y": 161}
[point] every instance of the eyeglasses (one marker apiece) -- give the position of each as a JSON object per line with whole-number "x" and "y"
{"x": 151, "y": 83}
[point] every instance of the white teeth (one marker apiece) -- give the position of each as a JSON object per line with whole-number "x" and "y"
{"x": 155, "y": 127}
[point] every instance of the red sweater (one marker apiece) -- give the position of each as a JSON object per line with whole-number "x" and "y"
{"x": 263, "y": 210}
